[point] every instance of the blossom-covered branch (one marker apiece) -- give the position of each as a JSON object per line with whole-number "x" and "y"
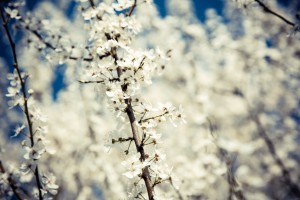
{"x": 25, "y": 99}
{"x": 36, "y": 147}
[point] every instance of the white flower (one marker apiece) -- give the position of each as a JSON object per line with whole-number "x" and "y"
{"x": 90, "y": 13}
{"x": 35, "y": 152}
{"x": 122, "y": 4}
{"x": 49, "y": 183}
{"x": 27, "y": 167}
{"x": 159, "y": 156}
{"x": 162, "y": 171}
{"x": 136, "y": 191}
{"x": 178, "y": 115}
{"x": 166, "y": 107}
{"x": 106, "y": 8}
{"x": 153, "y": 134}
{"x": 18, "y": 130}
{"x": 134, "y": 166}
{"x": 147, "y": 107}
{"x": 175, "y": 182}
{"x": 107, "y": 47}
{"x": 12, "y": 92}
{"x": 37, "y": 115}
{"x": 13, "y": 13}
{"x": 149, "y": 124}
{"x": 14, "y": 78}
{"x": 17, "y": 100}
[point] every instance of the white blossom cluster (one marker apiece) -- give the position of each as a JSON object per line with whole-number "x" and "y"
{"x": 35, "y": 145}
{"x": 236, "y": 75}
{"x": 121, "y": 70}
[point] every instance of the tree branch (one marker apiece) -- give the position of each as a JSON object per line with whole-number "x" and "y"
{"x": 268, "y": 10}
{"x": 146, "y": 174}
{"x": 135, "y": 135}
{"x": 25, "y": 97}
{"x": 49, "y": 45}
{"x": 132, "y": 8}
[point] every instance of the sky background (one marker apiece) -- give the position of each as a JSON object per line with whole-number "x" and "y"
{"x": 199, "y": 5}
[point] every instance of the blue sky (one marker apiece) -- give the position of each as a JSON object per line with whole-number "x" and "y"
{"x": 199, "y": 5}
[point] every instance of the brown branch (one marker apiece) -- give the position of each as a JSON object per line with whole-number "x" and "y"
{"x": 146, "y": 173}
{"x": 132, "y": 8}
{"x": 154, "y": 117}
{"x": 36, "y": 33}
{"x": 24, "y": 94}
{"x": 268, "y": 10}
{"x": 137, "y": 141}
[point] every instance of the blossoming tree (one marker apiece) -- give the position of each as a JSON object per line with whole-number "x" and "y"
{"x": 113, "y": 101}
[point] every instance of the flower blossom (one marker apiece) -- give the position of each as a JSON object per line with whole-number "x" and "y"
{"x": 13, "y": 13}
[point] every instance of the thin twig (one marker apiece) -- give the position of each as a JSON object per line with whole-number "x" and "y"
{"x": 179, "y": 195}
{"x": 25, "y": 97}
{"x": 154, "y": 117}
{"x": 132, "y": 8}
{"x": 268, "y": 10}
{"x": 49, "y": 45}
{"x": 80, "y": 81}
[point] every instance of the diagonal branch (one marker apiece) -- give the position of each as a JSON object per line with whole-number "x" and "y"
{"x": 132, "y": 8}
{"x": 268, "y": 10}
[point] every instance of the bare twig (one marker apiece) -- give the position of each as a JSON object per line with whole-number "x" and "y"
{"x": 179, "y": 195}
{"x": 154, "y": 117}
{"x": 132, "y": 8}
{"x": 25, "y": 97}
{"x": 268, "y": 10}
